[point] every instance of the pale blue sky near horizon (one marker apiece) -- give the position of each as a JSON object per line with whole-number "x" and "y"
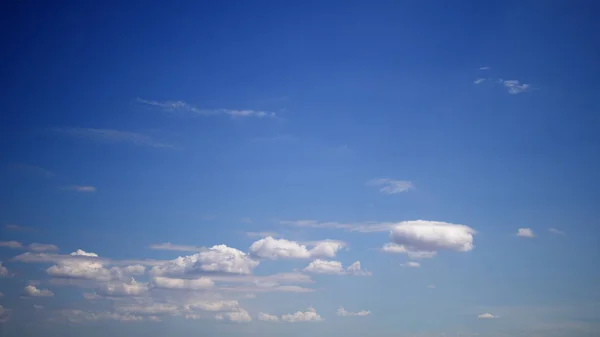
{"x": 202, "y": 123}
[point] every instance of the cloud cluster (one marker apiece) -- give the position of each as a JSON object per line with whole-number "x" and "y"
{"x": 85, "y": 265}
{"x": 273, "y": 249}
{"x": 218, "y": 258}
{"x": 310, "y": 315}
{"x": 3, "y": 271}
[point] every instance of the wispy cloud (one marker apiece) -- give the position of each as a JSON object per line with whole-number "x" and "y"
{"x": 479, "y": 81}
{"x": 390, "y": 186}
{"x": 485, "y": 68}
{"x": 13, "y": 227}
{"x": 366, "y": 227}
{"x": 112, "y": 136}
{"x": 81, "y": 188}
{"x": 261, "y": 234}
{"x": 186, "y": 108}
{"x": 11, "y": 244}
{"x": 180, "y": 248}
{"x": 556, "y": 231}
{"x": 515, "y": 86}
{"x": 487, "y": 315}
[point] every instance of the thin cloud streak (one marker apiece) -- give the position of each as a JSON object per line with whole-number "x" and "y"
{"x": 112, "y": 136}
{"x": 183, "y": 107}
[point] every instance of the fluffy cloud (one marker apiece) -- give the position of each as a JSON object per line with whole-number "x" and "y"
{"x": 390, "y": 186}
{"x": 267, "y": 318}
{"x": 335, "y": 268}
{"x": 4, "y": 314}
{"x": 11, "y": 244}
{"x": 487, "y": 315}
{"x": 177, "y": 283}
{"x": 240, "y": 316}
{"x": 3, "y": 271}
{"x": 430, "y": 236}
{"x": 33, "y": 291}
{"x": 342, "y": 312}
{"x": 525, "y": 233}
{"x": 310, "y": 315}
{"x": 215, "y": 259}
{"x": 119, "y": 288}
{"x": 86, "y": 265}
{"x": 270, "y": 248}
{"x": 39, "y": 247}
{"x": 213, "y": 306}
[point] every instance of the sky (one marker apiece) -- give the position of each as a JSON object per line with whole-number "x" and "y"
{"x": 324, "y": 168}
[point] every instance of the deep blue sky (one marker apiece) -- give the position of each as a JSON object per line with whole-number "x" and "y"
{"x": 196, "y": 123}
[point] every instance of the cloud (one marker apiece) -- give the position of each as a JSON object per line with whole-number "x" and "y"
{"x": 422, "y": 235}
{"x": 310, "y": 315}
{"x": 33, "y": 291}
{"x": 390, "y": 186}
{"x": 176, "y": 283}
{"x": 120, "y": 288}
{"x": 267, "y": 318}
{"x": 319, "y": 266}
{"x": 79, "y": 188}
{"x": 515, "y": 87}
{"x": 11, "y": 244}
{"x": 525, "y": 233}
{"x": 40, "y": 247}
{"x": 261, "y": 234}
{"x": 86, "y": 265}
{"x": 214, "y": 306}
{"x": 13, "y": 227}
{"x": 38, "y": 306}
{"x": 273, "y": 249}
{"x": 367, "y": 227}
{"x": 4, "y": 314}
{"x": 487, "y": 315}
{"x": 218, "y": 258}
{"x": 479, "y": 81}
{"x": 556, "y": 231}
{"x": 182, "y": 107}
{"x": 413, "y": 254}
{"x": 170, "y": 246}
{"x": 241, "y": 316}
{"x": 431, "y": 286}
{"x": 412, "y": 264}
{"x": 79, "y": 316}
{"x": 342, "y": 312}
{"x": 485, "y": 68}
{"x": 3, "y": 271}
{"x": 112, "y": 136}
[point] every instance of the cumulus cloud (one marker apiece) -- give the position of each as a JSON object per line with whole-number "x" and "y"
{"x": 430, "y": 236}
{"x": 4, "y": 314}
{"x": 515, "y": 86}
{"x": 319, "y": 266}
{"x": 342, "y": 312}
{"x": 123, "y": 288}
{"x": 3, "y": 271}
{"x": 390, "y": 186}
{"x": 240, "y": 316}
{"x": 273, "y": 249}
{"x": 267, "y": 318}
{"x": 182, "y": 107}
{"x": 401, "y": 249}
{"x": 525, "y": 233}
{"x": 11, "y": 244}
{"x": 177, "y": 283}
{"x": 310, "y": 315}
{"x": 33, "y": 291}
{"x": 214, "y": 306}
{"x": 86, "y": 265}
{"x": 40, "y": 247}
{"x": 487, "y": 315}
{"x": 215, "y": 259}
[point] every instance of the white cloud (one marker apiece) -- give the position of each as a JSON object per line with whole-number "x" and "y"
{"x": 261, "y": 234}
{"x": 81, "y": 188}
{"x": 412, "y": 264}
{"x": 215, "y": 259}
{"x": 4, "y": 314}
{"x": 515, "y": 87}
{"x": 11, "y": 244}
{"x": 112, "y": 136}
{"x": 556, "y": 231}
{"x": 487, "y": 315}
{"x": 479, "y": 81}
{"x": 485, "y": 68}
{"x": 325, "y": 267}
{"x": 33, "y": 291}
{"x": 149, "y": 309}
{"x": 240, "y": 316}
{"x": 79, "y": 316}
{"x": 390, "y": 186}
{"x": 3, "y": 271}
{"x": 38, "y": 306}
{"x": 13, "y": 227}
{"x": 176, "y": 283}
{"x": 84, "y": 265}
{"x": 214, "y": 306}
{"x": 267, "y": 318}
{"x": 421, "y": 235}
{"x": 413, "y": 254}
{"x": 183, "y": 107}
{"x": 342, "y": 312}
{"x": 525, "y": 233}
{"x": 367, "y": 227}
{"x": 310, "y": 315}
{"x": 40, "y": 247}
{"x": 120, "y": 288}
{"x": 181, "y": 248}
{"x": 270, "y": 248}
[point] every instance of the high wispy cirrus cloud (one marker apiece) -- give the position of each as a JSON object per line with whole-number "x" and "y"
{"x": 273, "y": 249}
{"x": 112, "y": 136}
{"x": 319, "y": 266}
{"x": 391, "y": 186}
{"x": 422, "y": 239}
{"x": 181, "y": 107}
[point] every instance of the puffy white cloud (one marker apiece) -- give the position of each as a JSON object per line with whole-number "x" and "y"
{"x": 310, "y": 315}
{"x": 335, "y": 268}
{"x": 390, "y": 186}
{"x": 412, "y": 264}
{"x": 421, "y": 235}
{"x": 240, "y": 316}
{"x": 152, "y": 309}
{"x": 271, "y": 248}
{"x": 33, "y": 291}
{"x": 177, "y": 283}
{"x": 487, "y": 315}
{"x": 11, "y": 244}
{"x": 342, "y": 312}
{"x": 89, "y": 266}
{"x": 515, "y": 86}
{"x": 119, "y": 288}
{"x": 40, "y": 247}
{"x": 525, "y": 233}
{"x": 80, "y": 252}
{"x": 3, "y": 271}
{"x": 267, "y": 318}
{"x": 215, "y": 259}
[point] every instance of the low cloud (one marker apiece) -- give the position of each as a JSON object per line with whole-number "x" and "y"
{"x": 40, "y": 247}
{"x": 267, "y": 317}
{"x": 319, "y": 266}
{"x": 273, "y": 249}
{"x": 525, "y": 233}
{"x": 431, "y": 236}
{"x": 342, "y": 312}
{"x": 11, "y": 244}
{"x": 310, "y": 315}
{"x": 515, "y": 86}
{"x": 33, "y": 291}
{"x": 487, "y": 315}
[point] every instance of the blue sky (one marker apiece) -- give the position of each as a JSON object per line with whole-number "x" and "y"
{"x": 449, "y": 149}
